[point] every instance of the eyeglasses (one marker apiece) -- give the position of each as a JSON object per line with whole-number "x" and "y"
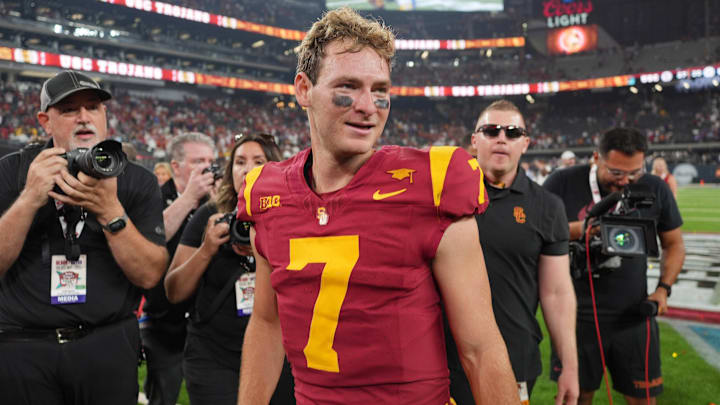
{"x": 619, "y": 174}
{"x": 264, "y": 137}
{"x": 493, "y": 131}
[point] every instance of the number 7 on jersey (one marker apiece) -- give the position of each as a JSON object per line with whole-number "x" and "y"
{"x": 340, "y": 254}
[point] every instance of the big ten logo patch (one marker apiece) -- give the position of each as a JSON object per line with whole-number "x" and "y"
{"x": 269, "y": 202}
{"x": 519, "y": 215}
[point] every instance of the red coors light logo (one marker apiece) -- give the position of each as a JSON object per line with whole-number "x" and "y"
{"x": 562, "y": 14}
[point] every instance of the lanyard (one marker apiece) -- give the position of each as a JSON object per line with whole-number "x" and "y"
{"x": 594, "y": 188}
{"x": 72, "y": 221}
{"x": 71, "y": 213}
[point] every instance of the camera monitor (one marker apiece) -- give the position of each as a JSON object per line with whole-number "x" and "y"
{"x": 628, "y": 237}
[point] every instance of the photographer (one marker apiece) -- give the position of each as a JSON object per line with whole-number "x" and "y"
{"x": 75, "y": 251}
{"x": 164, "y": 326}
{"x": 619, "y": 161}
{"x": 205, "y": 265}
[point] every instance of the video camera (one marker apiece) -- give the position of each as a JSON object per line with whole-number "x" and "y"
{"x": 621, "y": 234}
{"x": 239, "y": 230}
{"x": 104, "y": 160}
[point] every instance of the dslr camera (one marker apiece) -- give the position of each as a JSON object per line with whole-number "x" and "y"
{"x": 104, "y": 160}
{"x": 239, "y": 230}
{"x": 622, "y": 233}
{"x": 215, "y": 169}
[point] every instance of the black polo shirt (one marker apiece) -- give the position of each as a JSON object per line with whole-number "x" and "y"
{"x": 618, "y": 292}
{"x": 521, "y": 223}
{"x": 25, "y": 288}
{"x": 160, "y": 312}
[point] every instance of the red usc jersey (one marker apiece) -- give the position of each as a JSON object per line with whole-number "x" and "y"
{"x": 359, "y": 309}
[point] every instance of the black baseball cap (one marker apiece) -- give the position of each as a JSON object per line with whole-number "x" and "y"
{"x": 65, "y": 83}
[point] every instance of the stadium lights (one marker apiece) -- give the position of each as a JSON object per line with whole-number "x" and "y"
{"x": 633, "y": 90}
{"x": 258, "y": 44}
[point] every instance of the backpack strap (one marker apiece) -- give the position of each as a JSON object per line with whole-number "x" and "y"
{"x": 217, "y": 302}
{"x": 27, "y": 155}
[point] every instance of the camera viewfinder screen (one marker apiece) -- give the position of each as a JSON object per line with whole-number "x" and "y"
{"x": 625, "y": 240}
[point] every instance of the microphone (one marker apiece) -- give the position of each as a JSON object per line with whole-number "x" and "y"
{"x": 604, "y": 205}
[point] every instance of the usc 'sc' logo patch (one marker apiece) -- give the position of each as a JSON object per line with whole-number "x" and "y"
{"x": 519, "y": 215}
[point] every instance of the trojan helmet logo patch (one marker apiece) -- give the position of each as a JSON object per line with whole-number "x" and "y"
{"x": 401, "y": 174}
{"x": 519, "y": 215}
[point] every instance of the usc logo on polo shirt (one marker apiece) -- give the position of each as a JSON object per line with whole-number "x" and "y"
{"x": 519, "y": 215}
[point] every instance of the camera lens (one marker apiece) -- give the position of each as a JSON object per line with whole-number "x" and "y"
{"x": 624, "y": 239}
{"x": 106, "y": 159}
{"x": 103, "y": 160}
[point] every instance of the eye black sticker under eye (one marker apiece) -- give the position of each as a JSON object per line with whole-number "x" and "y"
{"x": 342, "y": 101}
{"x": 382, "y": 103}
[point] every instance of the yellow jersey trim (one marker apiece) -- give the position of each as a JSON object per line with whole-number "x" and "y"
{"x": 481, "y": 192}
{"x": 250, "y": 180}
{"x": 439, "y": 161}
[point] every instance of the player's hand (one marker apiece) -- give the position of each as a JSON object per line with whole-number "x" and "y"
{"x": 42, "y": 174}
{"x": 98, "y": 196}
{"x": 660, "y": 296}
{"x": 215, "y": 235}
{"x": 568, "y": 388}
{"x": 199, "y": 184}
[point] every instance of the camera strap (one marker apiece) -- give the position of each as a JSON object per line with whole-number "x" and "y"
{"x": 72, "y": 221}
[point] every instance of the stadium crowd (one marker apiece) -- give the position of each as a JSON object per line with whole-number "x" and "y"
{"x": 561, "y": 122}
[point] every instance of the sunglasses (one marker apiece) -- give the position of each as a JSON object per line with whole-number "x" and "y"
{"x": 265, "y": 137}
{"x": 493, "y": 131}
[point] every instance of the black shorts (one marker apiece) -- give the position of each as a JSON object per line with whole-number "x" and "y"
{"x": 624, "y": 347}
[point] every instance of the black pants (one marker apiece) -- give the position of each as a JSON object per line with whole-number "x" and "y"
{"x": 164, "y": 353}
{"x": 212, "y": 375}
{"x": 100, "y": 368}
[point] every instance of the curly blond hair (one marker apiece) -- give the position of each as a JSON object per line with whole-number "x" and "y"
{"x": 343, "y": 24}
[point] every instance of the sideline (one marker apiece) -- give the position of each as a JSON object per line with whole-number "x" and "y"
{"x": 700, "y": 342}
